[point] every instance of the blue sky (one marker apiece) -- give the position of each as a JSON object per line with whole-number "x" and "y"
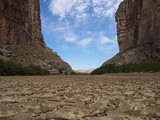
{"x": 82, "y": 32}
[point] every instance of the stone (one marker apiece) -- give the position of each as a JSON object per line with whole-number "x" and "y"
{"x": 23, "y": 116}
{"x": 21, "y": 39}
{"x": 138, "y": 32}
{"x": 20, "y": 22}
{"x": 54, "y": 72}
{"x": 137, "y": 23}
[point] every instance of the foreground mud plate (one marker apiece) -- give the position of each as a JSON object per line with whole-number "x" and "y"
{"x": 106, "y": 97}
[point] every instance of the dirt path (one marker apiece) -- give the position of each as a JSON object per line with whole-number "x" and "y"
{"x": 106, "y": 97}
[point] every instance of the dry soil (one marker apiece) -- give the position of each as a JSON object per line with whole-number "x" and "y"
{"x": 105, "y": 97}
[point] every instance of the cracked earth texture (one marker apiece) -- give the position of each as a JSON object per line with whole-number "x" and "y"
{"x": 106, "y": 97}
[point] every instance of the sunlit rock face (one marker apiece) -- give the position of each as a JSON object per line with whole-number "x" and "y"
{"x": 138, "y": 31}
{"x": 137, "y": 22}
{"x": 127, "y": 18}
{"x": 20, "y": 22}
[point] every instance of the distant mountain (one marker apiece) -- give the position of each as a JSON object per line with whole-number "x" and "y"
{"x": 85, "y": 71}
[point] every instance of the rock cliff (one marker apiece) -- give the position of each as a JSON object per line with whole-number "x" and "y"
{"x": 138, "y": 32}
{"x": 21, "y": 39}
{"x": 20, "y": 22}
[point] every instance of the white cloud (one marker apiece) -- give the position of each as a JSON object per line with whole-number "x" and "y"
{"x": 62, "y": 30}
{"x": 110, "y": 12}
{"x": 104, "y": 39}
{"x": 89, "y": 32}
{"x": 105, "y": 43}
{"x": 105, "y": 8}
{"x": 109, "y": 3}
{"x": 51, "y": 27}
{"x": 82, "y": 16}
{"x": 63, "y": 8}
{"x": 85, "y": 42}
{"x": 70, "y": 37}
{"x": 83, "y": 9}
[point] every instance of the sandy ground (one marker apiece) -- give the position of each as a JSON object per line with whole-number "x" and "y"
{"x": 106, "y": 97}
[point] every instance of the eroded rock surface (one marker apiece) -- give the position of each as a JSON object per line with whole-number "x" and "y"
{"x": 107, "y": 97}
{"x": 137, "y": 22}
{"x": 20, "y": 22}
{"x": 138, "y": 31}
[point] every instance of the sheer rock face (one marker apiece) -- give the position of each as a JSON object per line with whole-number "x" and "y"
{"x": 20, "y": 22}
{"x": 138, "y": 31}
{"x": 137, "y": 23}
{"x": 21, "y": 39}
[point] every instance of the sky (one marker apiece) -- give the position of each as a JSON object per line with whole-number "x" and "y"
{"x": 82, "y": 32}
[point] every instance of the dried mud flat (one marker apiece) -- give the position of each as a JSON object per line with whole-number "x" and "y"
{"x": 105, "y": 97}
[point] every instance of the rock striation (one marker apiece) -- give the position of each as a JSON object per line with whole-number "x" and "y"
{"x": 20, "y": 22}
{"x": 138, "y": 32}
{"x": 21, "y": 39}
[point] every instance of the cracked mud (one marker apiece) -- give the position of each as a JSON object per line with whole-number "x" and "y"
{"x": 105, "y": 97}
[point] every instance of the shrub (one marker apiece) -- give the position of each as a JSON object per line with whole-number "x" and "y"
{"x": 76, "y": 73}
{"x": 1, "y": 53}
{"x": 12, "y": 68}
{"x": 32, "y": 70}
{"x": 73, "y": 73}
{"x": 141, "y": 67}
{"x": 60, "y": 71}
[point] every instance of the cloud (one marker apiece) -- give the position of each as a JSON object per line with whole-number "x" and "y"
{"x": 61, "y": 7}
{"x": 70, "y": 37}
{"x": 104, "y": 39}
{"x": 85, "y": 42}
{"x": 105, "y": 8}
{"x": 82, "y": 9}
{"x": 64, "y": 8}
{"x": 110, "y": 12}
{"x": 105, "y": 43}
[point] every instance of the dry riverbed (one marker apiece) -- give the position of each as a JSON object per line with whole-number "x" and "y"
{"x": 105, "y": 97}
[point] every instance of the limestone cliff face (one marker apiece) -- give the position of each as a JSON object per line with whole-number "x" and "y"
{"x": 20, "y": 22}
{"x": 138, "y": 31}
{"x": 127, "y": 18}
{"x": 137, "y": 22}
{"x": 21, "y": 39}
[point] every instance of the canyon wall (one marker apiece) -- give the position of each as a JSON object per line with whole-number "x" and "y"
{"x": 21, "y": 39}
{"x": 138, "y": 32}
{"x": 20, "y": 22}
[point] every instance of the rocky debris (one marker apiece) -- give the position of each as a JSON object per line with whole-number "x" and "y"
{"x": 3, "y": 54}
{"x": 38, "y": 56}
{"x": 138, "y": 32}
{"x": 106, "y": 97}
{"x": 143, "y": 53}
{"x": 54, "y": 72}
{"x": 21, "y": 39}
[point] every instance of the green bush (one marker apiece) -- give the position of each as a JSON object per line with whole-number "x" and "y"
{"x": 141, "y": 67}
{"x": 1, "y": 53}
{"x": 8, "y": 68}
{"x": 32, "y": 70}
{"x": 60, "y": 71}
{"x": 75, "y": 73}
